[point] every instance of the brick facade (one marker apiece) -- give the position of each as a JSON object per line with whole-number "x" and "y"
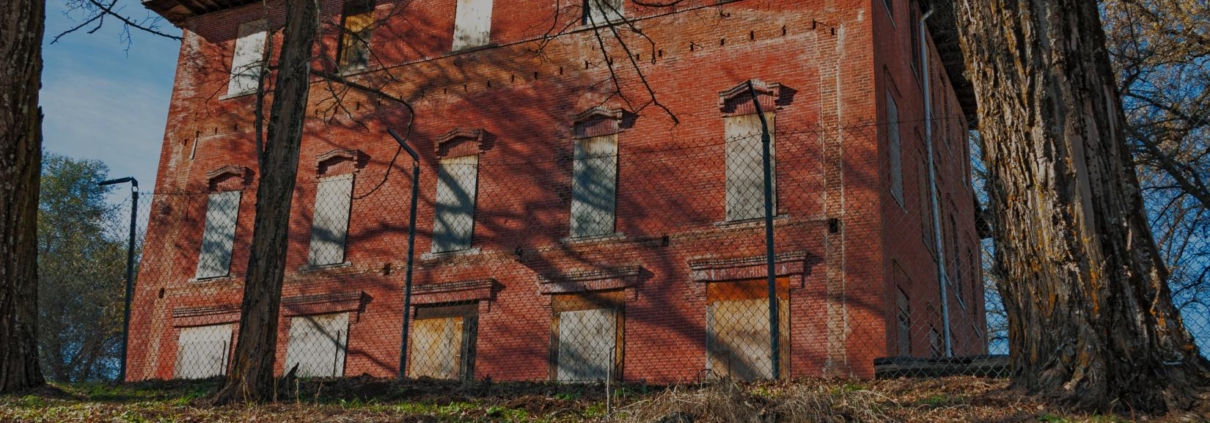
{"x": 845, "y": 245}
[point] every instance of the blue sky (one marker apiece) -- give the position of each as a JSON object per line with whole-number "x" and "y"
{"x": 103, "y": 102}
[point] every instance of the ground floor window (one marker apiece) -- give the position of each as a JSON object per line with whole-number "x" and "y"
{"x": 738, "y": 331}
{"x": 317, "y": 345}
{"x": 202, "y": 351}
{"x": 443, "y": 342}
{"x": 586, "y": 336}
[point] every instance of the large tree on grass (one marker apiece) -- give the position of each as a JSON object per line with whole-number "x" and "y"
{"x": 1091, "y": 320}
{"x": 21, "y": 23}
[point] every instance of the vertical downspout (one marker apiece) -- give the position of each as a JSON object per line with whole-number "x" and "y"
{"x": 943, "y": 278}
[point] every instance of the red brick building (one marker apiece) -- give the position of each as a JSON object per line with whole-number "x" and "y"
{"x": 568, "y": 228}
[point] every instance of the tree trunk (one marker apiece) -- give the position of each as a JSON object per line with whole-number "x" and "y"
{"x": 251, "y": 376}
{"x": 21, "y": 31}
{"x": 1091, "y": 321}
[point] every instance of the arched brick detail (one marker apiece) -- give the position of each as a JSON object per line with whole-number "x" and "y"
{"x": 738, "y": 99}
{"x": 339, "y": 161}
{"x": 599, "y": 121}
{"x": 228, "y": 178}
{"x": 463, "y": 142}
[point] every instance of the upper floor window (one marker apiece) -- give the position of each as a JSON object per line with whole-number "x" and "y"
{"x": 248, "y": 57}
{"x": 333, "y": 202}
{"x": 330, "y": 226}
{"x": 894, "y": 146}
{"x": 222, "y": 214}
{"x": 457, "y": 188}
{"x": 915, "y": 41}
{"x": 600, "y": 12}
{"x": 594, "y": 185}
{"x": 357, "y": 25}
{"x": 472, "y": 24}
{"x": 745, "y": 151}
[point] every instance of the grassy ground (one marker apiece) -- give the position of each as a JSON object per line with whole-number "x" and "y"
{"x": 364, "y": 399}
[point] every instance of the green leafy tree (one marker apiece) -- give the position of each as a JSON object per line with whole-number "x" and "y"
{"x": 81, "y": 261}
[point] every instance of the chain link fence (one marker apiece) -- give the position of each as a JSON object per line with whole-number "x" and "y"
{"x": 614, "y": 260}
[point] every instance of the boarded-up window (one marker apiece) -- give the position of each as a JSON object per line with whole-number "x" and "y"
{"x": 329, "y": 229}
{"x": 926, "y": 206}
{"x": 892, "y": 136}
{"x": 443, "y": 342}
{"x": 602, "y": 11}
{"x": 957, "y": 261}
{"x": 738, "y": 332}
{"x": 745, "y": 166}
{"x": 202, "y": 352}
{"x": 222, "y": 213}
{"x": 594, "y": 186}
{"x": 454, "y": 223}
{"x": 903, "y": 313}
{"x": 355, "y": 34}
{"x": 249, "y": 54}
{"x": 587, "y": 332}
{"x": 317, "y": 345}
{"x": 472, "y": 23}
{"x": 935, "y": 347}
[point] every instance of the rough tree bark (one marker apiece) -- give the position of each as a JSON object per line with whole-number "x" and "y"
{"x": 251, "y": 376}
{"x": 1091, "y": 322}
{"x": 21, "y": 23}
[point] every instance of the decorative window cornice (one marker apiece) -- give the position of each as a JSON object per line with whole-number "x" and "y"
{"x": 741, "y": 268}
{"x": 463, "y": 141}
{"x": 324, "y": 303}
{"x": 236, "y": 171}
{"x": 599, "y": 121}
{"x": 451, "y": 292}
{"x": 589, "y": 280}
{"x": 738, "y": 99}
{"x": 355, "y": 156}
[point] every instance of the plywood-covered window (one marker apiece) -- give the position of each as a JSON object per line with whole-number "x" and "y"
{"x": 745, "y": 166}
{"x": 202, "y": 352}
{"x": 317, "y": 345}
{"x": 594, "y": 186}
{"x": 936, "y": 349}
{"x": 894, "y": 148}
{"x": 218, "y": 238}
{"x": 472, "y": 23}
{"x": 586, "y": 336}
{"x": 926, "y": 205}
{"x": 330, "y": 226}
{"x": 957, "y": 261}
{"x": 457, "y": 184}
{"x": 599, "y": 12}
{"x": 248, "y": 57}
{"x": 739, "y": 342}
{"x": 442, "y": 344}
{"x": 903, "y": 316}
{"x": 356, "y": 27}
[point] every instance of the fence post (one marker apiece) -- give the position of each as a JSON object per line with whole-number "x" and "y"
{"x": 767, "y": 165}
{"x": 134, "y": 210}
{"x": 407, "y": 285}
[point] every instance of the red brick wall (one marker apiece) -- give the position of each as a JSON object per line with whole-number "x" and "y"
{"x": 830, "y": 157}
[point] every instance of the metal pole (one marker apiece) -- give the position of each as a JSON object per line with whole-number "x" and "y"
{"x": 134, "y": 209}
{"x": 407, "y": 284}
{"x": 766, "y": 145}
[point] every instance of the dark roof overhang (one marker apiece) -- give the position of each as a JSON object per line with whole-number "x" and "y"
{"x": 177, "y": 11}
{"x": 943, "y": 25}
